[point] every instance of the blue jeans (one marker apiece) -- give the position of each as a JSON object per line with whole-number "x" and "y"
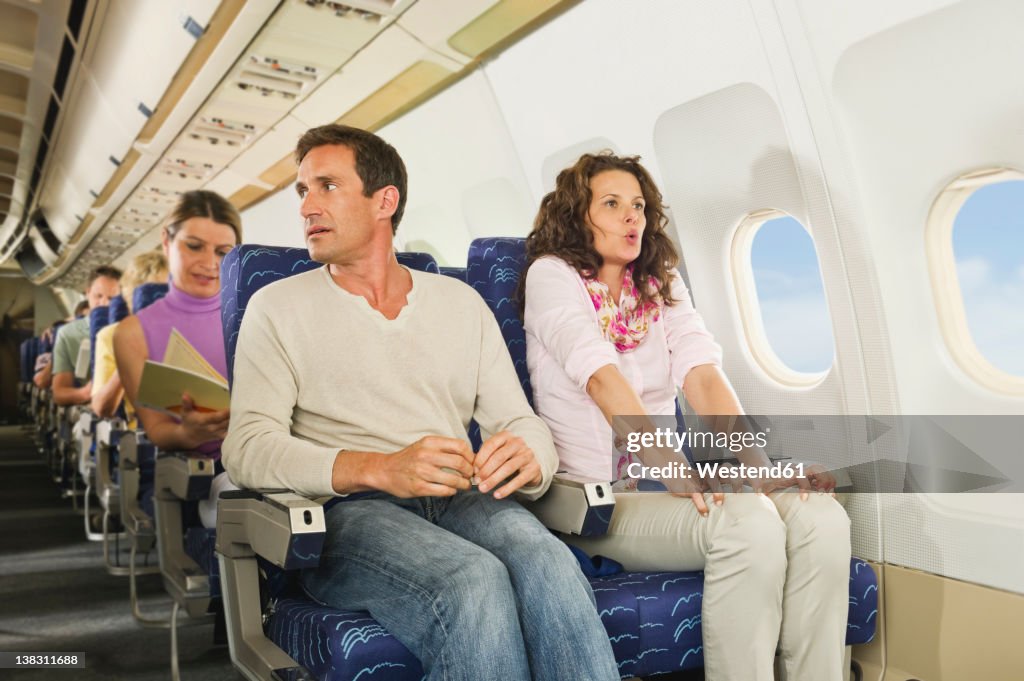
{"x": 475, "y": 587}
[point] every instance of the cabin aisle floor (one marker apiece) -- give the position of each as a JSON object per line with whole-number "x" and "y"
{"x": 56, "y": 596}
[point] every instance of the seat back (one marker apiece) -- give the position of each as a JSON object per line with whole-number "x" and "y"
{"x": 423, "y": 262}
{"x": 147, "y": 294}
{"x": 98, "y": 318}
{"x": 454, "y": 272}
{"x": 493, "y": 269}
{"x": 117, "y": 310}
{"x": 245, "y": 270}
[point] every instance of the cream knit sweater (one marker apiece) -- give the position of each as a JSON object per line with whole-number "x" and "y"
{"x": 317, "y": 370}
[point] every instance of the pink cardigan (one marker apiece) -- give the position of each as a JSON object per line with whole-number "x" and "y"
{"x": 564, "y": 347}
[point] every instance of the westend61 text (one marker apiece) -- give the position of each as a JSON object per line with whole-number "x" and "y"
{"x": 707, "y": 470}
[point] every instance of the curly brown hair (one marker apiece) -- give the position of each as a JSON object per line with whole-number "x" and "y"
{"x": 560, "y": 228}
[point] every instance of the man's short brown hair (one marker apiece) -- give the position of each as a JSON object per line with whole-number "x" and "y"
{"x": 103, "y": 271}
{"x": 378, "y": 165}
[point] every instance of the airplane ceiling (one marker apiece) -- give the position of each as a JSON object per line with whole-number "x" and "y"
{"x": 109, "y": 109}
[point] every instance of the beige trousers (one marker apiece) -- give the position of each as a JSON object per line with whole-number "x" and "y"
{"x": 776, "y": 574}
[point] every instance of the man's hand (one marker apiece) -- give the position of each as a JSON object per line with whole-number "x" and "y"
{"x": 502, "y": 456}
{"x": 433, "y": 466}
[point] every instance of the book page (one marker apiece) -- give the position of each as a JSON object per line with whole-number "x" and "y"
{"x": 162, "y": 386}
{"x": 182, "y": 354}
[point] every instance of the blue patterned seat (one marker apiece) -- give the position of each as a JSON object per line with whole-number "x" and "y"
{"x": 117, "y": 310}
{"x": 310, "y": 633}
{"x": 418, "y": 261}
{"x": 98, "y": 318}
{"x": 454, "y": 272}
{"x": 636, "y": 615}
{"x": 147, "y": 294}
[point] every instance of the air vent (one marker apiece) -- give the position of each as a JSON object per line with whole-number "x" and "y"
{"x": 344, "y": 11}
{"x": 186, "y": 170}
{"x": 270, "y": 76}
{"x": 157, "y": 195}
{"x": 217, "y": 131}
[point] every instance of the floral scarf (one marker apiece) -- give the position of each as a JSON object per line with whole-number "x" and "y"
{"x": 625, "y": 324}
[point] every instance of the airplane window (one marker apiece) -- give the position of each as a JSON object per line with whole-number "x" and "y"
{"x": 988, "y": 247}
{"x": 782, "y": 298}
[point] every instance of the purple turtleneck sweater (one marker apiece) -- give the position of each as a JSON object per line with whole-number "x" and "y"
{"x": 198, "y": 320}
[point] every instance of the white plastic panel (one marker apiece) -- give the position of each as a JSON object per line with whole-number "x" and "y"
{"x": 275, "y": 221}
{"x": 140, "y": 48}
{"x": 928, "y": 114}
{"x": 270, "y": 148}
{"x": 466, "y": 158}
{"x": 386, "y": 57}
{"x": 435, "y": 21}
{"x": 557, "y": 89}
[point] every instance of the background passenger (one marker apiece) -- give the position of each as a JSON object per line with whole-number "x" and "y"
{"x": 200, "y": 231}
{"x": 107, "y": 391}
{"x": 361, "y": 377}
{"x": 611, "y": 331}
{"x": 67, "y": 389}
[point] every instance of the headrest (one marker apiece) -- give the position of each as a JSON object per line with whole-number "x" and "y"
{"x": 117, "y": 310}
{"x": 454, "y": 272}
{"x": 423, "y": 262}
{"x": 147, "y": 294}
{"x": 493, "y": 269}
{"x": 246, "y": 269}
{"x": 98, "y": 318}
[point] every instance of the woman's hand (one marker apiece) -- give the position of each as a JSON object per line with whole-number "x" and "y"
{"x": 202, "y": 426}
{"x": 694, "y": 489}
{"x": 816, "y": 478}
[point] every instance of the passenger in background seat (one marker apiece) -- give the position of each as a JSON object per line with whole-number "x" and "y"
{"x": 360, "y": 378}
{"x": 67, "y": 389}
{"x": 200, "y": 231}
{"x": 107, "y": 391}
{"x": 611, "y": 330}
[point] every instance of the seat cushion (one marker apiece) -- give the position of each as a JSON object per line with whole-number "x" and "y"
{"x": 653, "y": 620}
{"x": 338, "y": 645}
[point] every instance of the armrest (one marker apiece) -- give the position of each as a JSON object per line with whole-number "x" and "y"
{"x": 282, "y": 527}
{"x": 573, "y": 506}
{"x": 84, "y": 431}
{"x": 180, "y": 476}
{"x": 183, "y": 476}
{"x": 108, "y": 436}
{"x": 136, "y": 521}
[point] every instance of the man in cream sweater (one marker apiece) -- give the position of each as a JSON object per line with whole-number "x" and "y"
{"x": 359, "y": 378}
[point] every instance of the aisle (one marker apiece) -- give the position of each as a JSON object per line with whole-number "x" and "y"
{"x": 57, "y": 597}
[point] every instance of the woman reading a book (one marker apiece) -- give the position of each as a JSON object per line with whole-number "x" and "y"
{"x": 611, "y": 331}
{"x": 197, "y": 235}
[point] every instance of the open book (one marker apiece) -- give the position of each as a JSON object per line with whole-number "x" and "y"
{"x": 183, "y": 370}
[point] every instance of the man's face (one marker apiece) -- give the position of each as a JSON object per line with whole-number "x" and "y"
{"x": 101, "y": 291}
{"x": 339, "y": 222}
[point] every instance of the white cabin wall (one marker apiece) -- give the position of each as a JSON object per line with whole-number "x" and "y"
{"x": 465, "y": 179}
{"x": 839, "y": 85}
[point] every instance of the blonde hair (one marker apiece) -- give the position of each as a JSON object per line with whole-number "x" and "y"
{"x": 147, "y": 267}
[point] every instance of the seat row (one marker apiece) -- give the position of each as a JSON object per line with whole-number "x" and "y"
{"x": 248, "y": 565}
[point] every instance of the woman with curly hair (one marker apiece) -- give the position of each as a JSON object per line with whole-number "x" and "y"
{"x": 611, "y": 331}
